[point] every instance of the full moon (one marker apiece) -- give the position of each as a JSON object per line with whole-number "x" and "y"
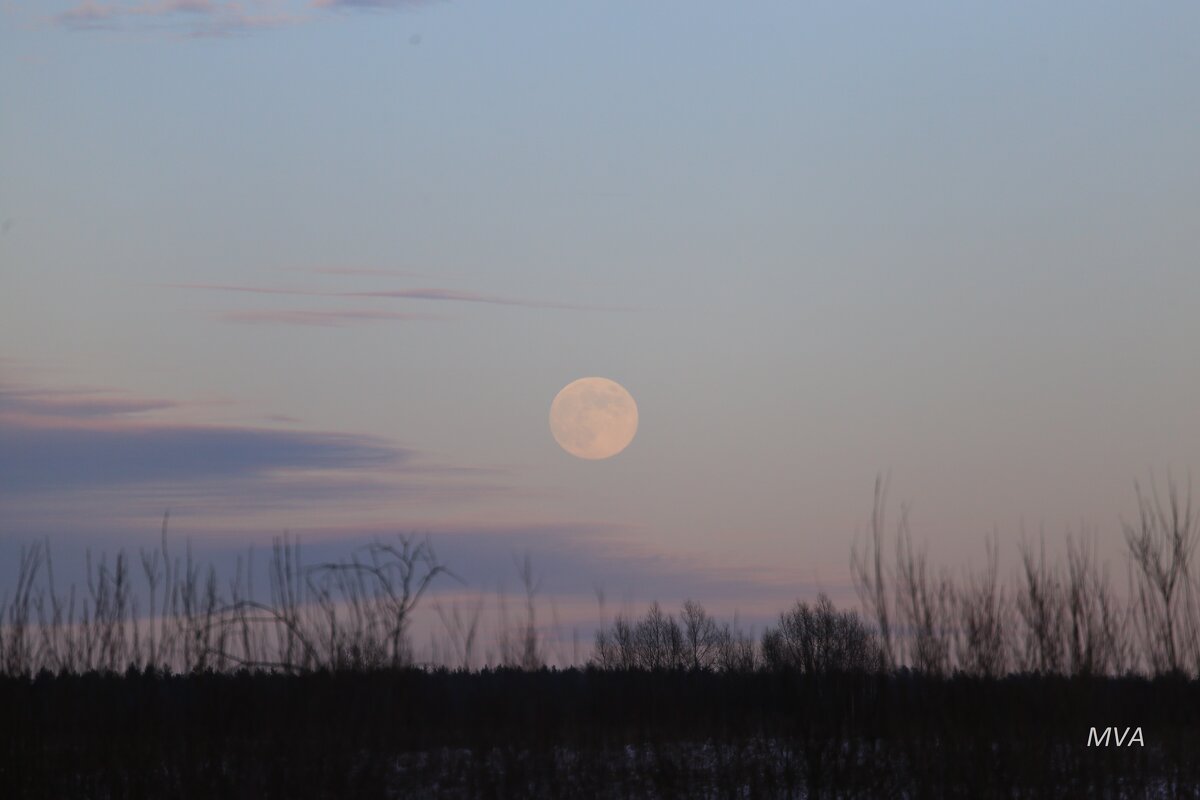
{"x": 593, "y": 418}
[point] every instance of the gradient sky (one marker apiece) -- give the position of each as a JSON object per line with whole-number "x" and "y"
{"x": 323, "y": 266}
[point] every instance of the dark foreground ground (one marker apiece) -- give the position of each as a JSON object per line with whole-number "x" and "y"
{"x": 592, "y": 734}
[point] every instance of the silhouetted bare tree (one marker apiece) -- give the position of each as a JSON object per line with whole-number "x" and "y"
{"x": 737, "y": 651}
{"x": 614, "y": 646}
{"x": 701, "y": 636}
{"x": 981, "y": 640}
{"x": 1042, "y": 611}
{"x": 658, "y": 641}
{"x": 867, "y": 571}
{"x": 924, "y": 605}
{"x": 1161, "y": 543}
{"x": 463, "y": 630}
{"x": 819, "y": 638}
{"x": 1097, "y": 623}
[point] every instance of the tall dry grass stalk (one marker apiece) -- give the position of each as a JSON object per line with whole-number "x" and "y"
{"x": 353, "y": 613}
{"x": 1053, "y": 618}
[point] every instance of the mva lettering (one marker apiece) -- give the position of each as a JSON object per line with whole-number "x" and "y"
{"x": 1128, "y": 738}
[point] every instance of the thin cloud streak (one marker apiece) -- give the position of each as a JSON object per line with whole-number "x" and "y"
{"x": 193, "y": 18}
{"x": 34, "y": 457}
{"x": 80, "y": 403}
{"x": 208, "y": 18}
{"x": 89, "y": 15}
{"x": 225, "y": 287}
{"x": 435, "y": 294}
{"x": 368, "y": 4}
{"x": 62, "y": 440}
{"x": 323, "y": 319}
{"x": 386, "y": 273}
{"x": 453, "y": 295}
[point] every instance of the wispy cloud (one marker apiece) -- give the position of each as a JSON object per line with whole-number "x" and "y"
{"x": 40, "y": 457}
{"x": 208, "y": 18}
{"x": 334, "y": 318}
{"x": 434, "y": 294}
{"x": 65, "y": 441}
{"x": 89, "y": 14}
{"x": 198, "y": 18}
{"x": 392, "y": 273}
{"x": 226, "y": 287}
{"x": 369, "y": 4}
{"x": 456, "y": 296}
{"x": 76, "y": 403}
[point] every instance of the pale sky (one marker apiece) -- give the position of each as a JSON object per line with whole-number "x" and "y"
{"x": 323, "y": 266}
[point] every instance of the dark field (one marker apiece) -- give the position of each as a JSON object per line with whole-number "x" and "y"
{"x": 591, "y": 733}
